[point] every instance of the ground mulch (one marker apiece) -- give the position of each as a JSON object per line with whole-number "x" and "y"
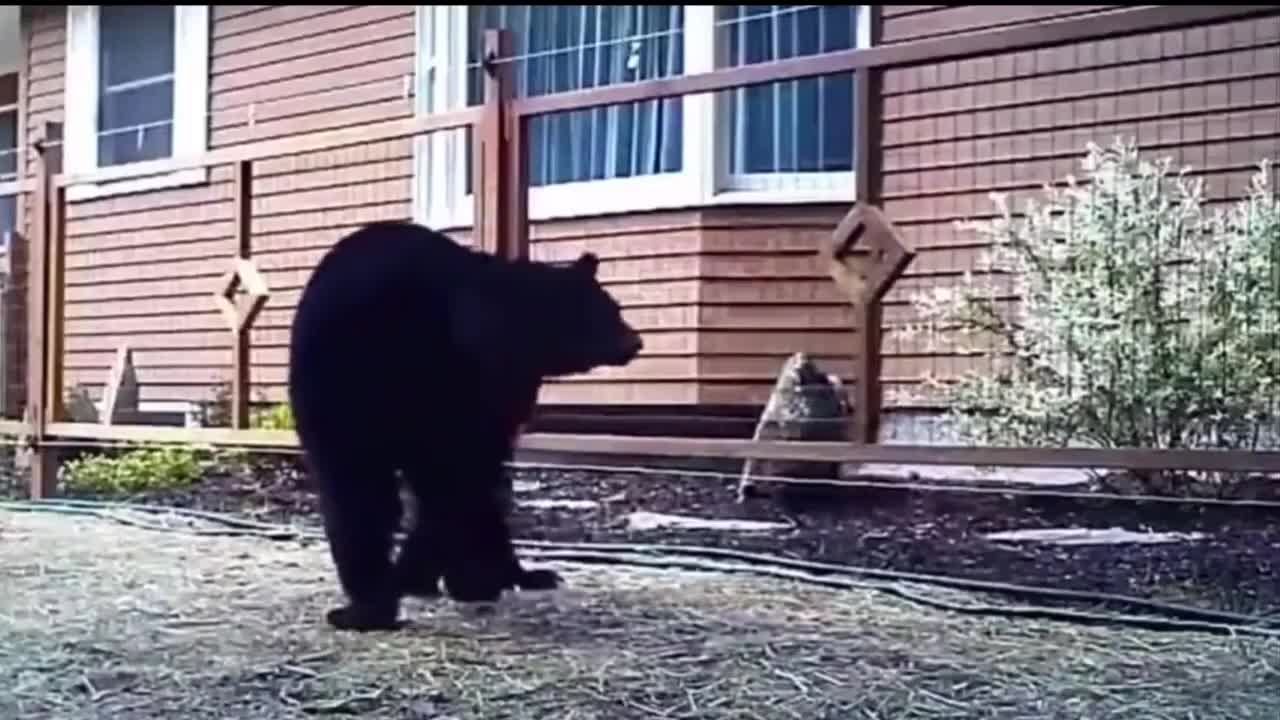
{"x": 1233, "y": 567}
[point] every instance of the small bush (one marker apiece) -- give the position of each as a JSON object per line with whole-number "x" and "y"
{"x": 141, "y": 470}
{"x": 1120, "y": 310}
{"x": 137, "y": 471}
{"x": 277, "y": 417}
{"x": 1145, "y": 318}
{"x": 216, "y": 412}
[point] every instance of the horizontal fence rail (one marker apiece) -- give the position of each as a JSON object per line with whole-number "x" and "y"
{"x": 264, "y": 149}
{"x": 1035, "y": 36}
{"x": 501, "y": 224}
{"x": 1068, "y": 457}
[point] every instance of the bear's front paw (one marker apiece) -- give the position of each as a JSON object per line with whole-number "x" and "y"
{"x": 364, "y": 618}
{"x": 538, "y": 580}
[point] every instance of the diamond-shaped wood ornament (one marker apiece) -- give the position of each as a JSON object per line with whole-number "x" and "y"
{"x": 865, "y": 255}
{"x": 240, "y": 315}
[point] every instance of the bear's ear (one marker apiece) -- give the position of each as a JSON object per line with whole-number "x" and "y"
{"x": 588, "y": 263}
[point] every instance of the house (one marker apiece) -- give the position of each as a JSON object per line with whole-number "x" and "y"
{"x": 706, "y": 210}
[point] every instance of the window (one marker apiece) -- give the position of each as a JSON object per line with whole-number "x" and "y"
{"x": 8, "y": 224}
{"x": 775, "y": 143}
{"x": 8, "y": 163}
{"x": 8, "y": 213}
{"x": 137, "y": 91}
{"x": 135, "y": 83}
{"x": 8, "y": 146}
{"x": 8, "y": 127}
{"x": 797, "y": 133}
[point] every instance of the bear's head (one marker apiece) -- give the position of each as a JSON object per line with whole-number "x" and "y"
{"x": 583, "y": 328}
{"x": 541, "y": 319}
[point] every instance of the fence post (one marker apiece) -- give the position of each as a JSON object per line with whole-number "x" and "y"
{"x": 516, "y": 207}
{"x": 243, "y": 273}
{"x": 499, "y": 162}
{"x": 44, "y": 311}
{"x": 867, "y": 178}
{"x": 490, "y": 183}
{"x": 244, "y": 247}
{"x": 15, "y": 301}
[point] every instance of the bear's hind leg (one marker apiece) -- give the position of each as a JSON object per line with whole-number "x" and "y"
{"x": 360, "y": 510}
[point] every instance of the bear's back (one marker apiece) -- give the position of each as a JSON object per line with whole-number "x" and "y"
{"x": 381, "y": 282}
{"x": 372, "y": 322}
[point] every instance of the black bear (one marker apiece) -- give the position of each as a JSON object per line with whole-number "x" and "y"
{"x": 410, "y": 353}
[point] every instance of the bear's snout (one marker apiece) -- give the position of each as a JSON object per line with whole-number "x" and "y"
{"x": 629, "y": 347}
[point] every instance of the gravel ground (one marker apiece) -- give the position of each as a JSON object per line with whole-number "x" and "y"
{"x": 132, "y": 615}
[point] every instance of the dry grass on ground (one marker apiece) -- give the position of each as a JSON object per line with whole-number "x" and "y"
{"x": 99, "y": 619}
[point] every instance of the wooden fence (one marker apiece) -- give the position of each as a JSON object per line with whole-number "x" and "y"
{"x": 500, "y": 126}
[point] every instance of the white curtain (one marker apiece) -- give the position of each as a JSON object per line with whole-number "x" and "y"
{"x": 135, "y": 81}
{"x": 794, "y": 126}
{"x": 572, "y": 47}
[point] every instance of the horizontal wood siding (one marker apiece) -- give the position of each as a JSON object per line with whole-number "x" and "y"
{"x": 141, "y": 268}
{"x": 957, "y": 131}
{"x": 765, "y": 295}
{"x": 903, "y": 23}
{"x": 722, "y": 294}
{"x": 650, "y": 263}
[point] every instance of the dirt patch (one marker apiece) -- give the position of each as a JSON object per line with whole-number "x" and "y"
{"x": 104, "y": 619}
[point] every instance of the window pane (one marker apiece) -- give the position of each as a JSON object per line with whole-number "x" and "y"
{"x": 8, "y": 144}
{"x": 135, "y": 104}
{"x": 136, "y": 42}
{"x": 8, "y": 213}
{"x": 573, "y": 47}
{"x": 797, "y": 125}
{"x": 136, "y": 124}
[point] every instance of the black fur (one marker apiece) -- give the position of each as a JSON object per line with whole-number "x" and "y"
{"x": 420, "y": 566}
{"x": 411, "y": 353}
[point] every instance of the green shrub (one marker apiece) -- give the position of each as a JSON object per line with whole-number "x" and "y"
{"x": 1145, "y": 318}
{"x": 137, "y": 470}
{"x": 277, "y": 417}
{"x": 216, "y": 412}
{"x": 140, "y": 470}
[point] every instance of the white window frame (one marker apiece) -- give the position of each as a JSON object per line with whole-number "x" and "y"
{"x": 190, "y": 103}
{"x": 438, "y": 174}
